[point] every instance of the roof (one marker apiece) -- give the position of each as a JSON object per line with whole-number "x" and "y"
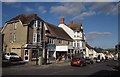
{"x": 89, "y": 46}
{"x": 26, "y": 19}
{"x": 57, "y": 32}
{"x": 76, "y": 27}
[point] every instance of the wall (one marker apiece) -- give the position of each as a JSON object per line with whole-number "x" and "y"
{"x": 21, "y": 36}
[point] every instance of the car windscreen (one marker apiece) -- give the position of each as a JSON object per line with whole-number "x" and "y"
{"x": 75, "y": 58}
{"x": 13, "y": 54}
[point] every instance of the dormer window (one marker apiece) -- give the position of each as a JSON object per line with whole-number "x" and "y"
{"x": 38, "y": 23}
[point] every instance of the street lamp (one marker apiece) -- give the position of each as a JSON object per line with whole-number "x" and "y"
{"x": 37, "y": 46}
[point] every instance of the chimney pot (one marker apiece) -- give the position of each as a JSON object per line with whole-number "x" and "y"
{"x": 62, "y": 21}
{"x": 71, "y": 23}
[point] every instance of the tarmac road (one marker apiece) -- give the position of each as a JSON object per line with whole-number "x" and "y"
{"x": 103, "y": 68}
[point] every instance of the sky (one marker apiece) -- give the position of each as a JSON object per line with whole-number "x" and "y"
{"x": 99, "y": 19}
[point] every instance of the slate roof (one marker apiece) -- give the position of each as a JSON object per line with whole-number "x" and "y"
{"x": 87, "y": 45}
{"x": 57, "y": 32}
{"x": 26, "y": 19}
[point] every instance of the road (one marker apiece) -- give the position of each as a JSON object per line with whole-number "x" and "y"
{"x": 103, "y": 68}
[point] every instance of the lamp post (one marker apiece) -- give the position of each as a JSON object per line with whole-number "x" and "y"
{"x": 37, "y": 47}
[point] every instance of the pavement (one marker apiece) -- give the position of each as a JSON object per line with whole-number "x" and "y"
{"x": 6, "y": 64}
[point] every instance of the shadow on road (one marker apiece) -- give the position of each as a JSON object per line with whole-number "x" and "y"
{"x": 8, "y": 64}
{"x": 105, "y": 73}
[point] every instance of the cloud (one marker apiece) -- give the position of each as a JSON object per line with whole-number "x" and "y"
{"x": 28, "y": 9}
{"x": 79, "y": 10}
{"x": 95, "y": 35}
{"x": 84, "y": 14}
{"x": 42, "y": 9}
{"x": 68, "y": 9}
{"x": 105, "y": 7}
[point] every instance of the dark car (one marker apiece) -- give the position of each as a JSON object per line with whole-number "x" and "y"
{"x": 89, "y": 61}
{"x": 76, "y": 61}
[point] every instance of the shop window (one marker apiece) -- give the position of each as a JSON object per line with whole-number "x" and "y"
{"x": 34, "y": 53}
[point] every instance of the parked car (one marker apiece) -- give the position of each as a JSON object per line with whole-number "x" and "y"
{"x": 89, "y": 61}
{"x": 98, "y": 60}
{"x": 76, "y": 61}
{"x": 11, "y": 56}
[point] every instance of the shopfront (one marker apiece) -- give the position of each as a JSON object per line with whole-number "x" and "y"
{"x": 51, "y": 53}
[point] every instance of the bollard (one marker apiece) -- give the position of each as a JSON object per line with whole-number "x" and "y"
{"x": 40, "y": 60}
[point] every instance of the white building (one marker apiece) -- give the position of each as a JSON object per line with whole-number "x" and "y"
{"x": 90, "y": 52}
{"x": 75, "y": 31}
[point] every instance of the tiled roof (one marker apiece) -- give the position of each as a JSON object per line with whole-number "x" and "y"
{"x": 26, "y": 19}
{"x": 57, "y": 32}
{"x": 75, "y": 27}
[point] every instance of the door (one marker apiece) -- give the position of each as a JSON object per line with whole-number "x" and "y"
{"x": 26, "y": 55}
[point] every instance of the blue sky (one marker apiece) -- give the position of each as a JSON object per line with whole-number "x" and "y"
{"x": 99, "y": 19}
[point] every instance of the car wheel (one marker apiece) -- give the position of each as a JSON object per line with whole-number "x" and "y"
{"x": 81, "y": 64}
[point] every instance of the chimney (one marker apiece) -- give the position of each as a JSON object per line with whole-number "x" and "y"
{"x": 71, "y": 23}
{"x": 62, "y": 21}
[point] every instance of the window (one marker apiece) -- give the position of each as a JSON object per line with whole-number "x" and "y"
{"x": 14, "y": 26}
{"x": 38, "y": 23}
{"x": 10, "y": 36}
{"x": 35, "y": 37}
{"x": 51, "y": 41}
{"x": 78, "y": 44}
{"x": 74, "y": 44}
{"x": 14, "y": 37}
{"x": 38, "y": 37}
{"x": 61, "y": 41}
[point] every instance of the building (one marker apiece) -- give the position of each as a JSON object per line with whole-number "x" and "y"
{"x": 31, "y": 37}
{"x": 24, "y": 35}
{"x": 76, "y": 32}
{"x": 1, "y": 41}
{"x": 90, "y": 52}
{"x": 58, "y": 42}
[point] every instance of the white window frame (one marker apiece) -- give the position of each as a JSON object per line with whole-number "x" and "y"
{"x": 40, "y": 24}
{"x": 14, "y": 37}
{"x": 34, "y": 37}
{"x": 39, "y": 38}
{"x": 14, "y": 26}
{"x": 51, "y": 41}
{"x": 36, "y": 23}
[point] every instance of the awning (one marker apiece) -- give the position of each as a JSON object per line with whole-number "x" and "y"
{"x": 62, "y": 48}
